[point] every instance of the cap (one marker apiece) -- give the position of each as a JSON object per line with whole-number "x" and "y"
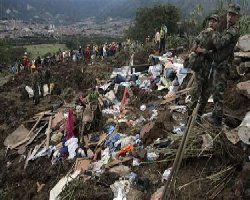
{"x": 215, "y": 17}
{"x": 234, "y": 8}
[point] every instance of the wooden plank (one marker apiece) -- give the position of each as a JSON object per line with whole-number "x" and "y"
{"x": 176, "y": 95}
{"x": 48, "y": 131}
{"x": 116, "y": 162}
{"x": 28, "y": 136}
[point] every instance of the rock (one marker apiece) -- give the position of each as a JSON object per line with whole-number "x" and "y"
{"x": 237, "y": 61}
{"x": 242, "y": 54}
{"x": 243, "y": 68}
{"x": 244, "y": 43}
{"x": 247, "y": 64}
{"x": 244, "y": 88}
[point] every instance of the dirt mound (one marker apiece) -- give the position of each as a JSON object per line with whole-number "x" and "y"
{"x": 235, "y": 103}
{"x": 15, "y": 108}
{"x": 88, "y": 190}
{"x": 158, "y": 129}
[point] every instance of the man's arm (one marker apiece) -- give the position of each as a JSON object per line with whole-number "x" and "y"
{"x": 222, "y": 40}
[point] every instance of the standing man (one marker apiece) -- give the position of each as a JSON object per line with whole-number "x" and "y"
{"x": 202, "y": 69}
{"x": 25, "y": 61}
{"x": 163, "y": 33}
{"x": 225, "y": 44}
{"x": 35, "y": 86}
{"x": 157, "y": 40}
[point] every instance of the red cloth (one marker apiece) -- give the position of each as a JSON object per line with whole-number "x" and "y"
{"x": 87, "y": 52}
{"x": 124, "y": 98}
{"x": 70, "y": 124}
{"x": 25, "y": 61}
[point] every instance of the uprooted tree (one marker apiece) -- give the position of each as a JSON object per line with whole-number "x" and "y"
{"x": 149, "y": 20}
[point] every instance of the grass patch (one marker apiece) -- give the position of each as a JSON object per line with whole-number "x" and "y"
{"x": 43, "y": 49}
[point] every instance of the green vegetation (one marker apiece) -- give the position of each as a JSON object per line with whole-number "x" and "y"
{"x": 43, "y": 49}
{"x": 150, "y": 19}
{"x": 8, "y": 53}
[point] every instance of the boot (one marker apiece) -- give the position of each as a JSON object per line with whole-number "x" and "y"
{"x": 216, "y": 122}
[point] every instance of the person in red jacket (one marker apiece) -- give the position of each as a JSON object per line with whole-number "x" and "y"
{"x": 25, "y": 61}
{"x": 87, "y": 53}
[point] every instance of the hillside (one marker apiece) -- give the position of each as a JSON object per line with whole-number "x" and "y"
{"x": 54, "y": 10}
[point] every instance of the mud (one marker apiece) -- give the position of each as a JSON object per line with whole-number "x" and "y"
{"x": 88, "y": 190}
{"x": 16, "y": 107}
{"x": 161, "y": 127}
{"x": 73, "y": 79}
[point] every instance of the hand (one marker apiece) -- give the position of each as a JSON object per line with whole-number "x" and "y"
{"x": 200, "y": 50}
{"x": 209, "y": 29}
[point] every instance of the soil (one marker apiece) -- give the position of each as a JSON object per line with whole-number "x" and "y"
{"x": 72, "y": 80}
{"x": 16, "y": 108}
{"x": 160, "y": 129}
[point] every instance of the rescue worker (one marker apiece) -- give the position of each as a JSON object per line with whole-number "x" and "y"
{"x": 40, "y": 80}
{"x": 25, "y": 61}
{"x": 88, "y": 52}
{"x": 35, "y": 86}
{"x": 38, "y": 62}
{"x": 163, "y": 33}
{"x": 157, "y": 40}
{"x": 225, "y": 44}
{"x": 202, "y": 69}
{"x": 47, "y": 78}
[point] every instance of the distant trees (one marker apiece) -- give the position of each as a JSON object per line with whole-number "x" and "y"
{"x": 8, "y": 53}
{"x": 149, "y": 20}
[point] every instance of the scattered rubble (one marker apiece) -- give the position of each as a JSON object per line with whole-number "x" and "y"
{"x": 115, "y": 134}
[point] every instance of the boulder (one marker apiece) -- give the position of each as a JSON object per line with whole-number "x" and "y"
{"x": 244, "y": 43}
{"x": 243, "y": 68}
{"x": 242, "y": 54}
{"x": 244, "y": 88}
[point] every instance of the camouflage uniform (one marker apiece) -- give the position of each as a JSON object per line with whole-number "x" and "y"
{"x": 202, "y": 81}
{"x": 41, "y": 81}
{"x": 47, "y": 77}
{"x": 35, "y": 86}
{"x": 225, "y": 44}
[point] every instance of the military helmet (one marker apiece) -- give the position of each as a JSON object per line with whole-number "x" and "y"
{"x": 215, "y": 17}
{"x": 234, "y": 8}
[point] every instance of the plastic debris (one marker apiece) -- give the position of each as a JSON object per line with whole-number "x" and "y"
{"x": 72, "y": 145}
{"x": 166, "y": 174}
{"x": 136, "y": 162}
{"x": 120, "y": 189}
{"x": 143, "y": 107}
{"x": 152, "y": 156}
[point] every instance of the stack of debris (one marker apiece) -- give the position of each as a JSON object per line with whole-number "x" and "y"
{"x": 116, "y": 129}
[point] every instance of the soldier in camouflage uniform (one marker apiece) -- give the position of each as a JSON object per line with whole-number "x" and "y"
{"x": 225, "y": 44}
{"x": 35, "y": 86}
{"x": 202, "y": 86}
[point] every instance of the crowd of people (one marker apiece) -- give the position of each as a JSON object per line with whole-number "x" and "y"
{"x": 40, "y": 67}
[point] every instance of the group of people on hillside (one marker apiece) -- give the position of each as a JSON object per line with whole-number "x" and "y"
{"x": 99, "y": 51}
{"x": 160, "y": 38}
{"x": 211, "y": 58}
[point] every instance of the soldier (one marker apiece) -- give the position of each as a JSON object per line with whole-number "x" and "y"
{"x": 35, "y": 86}
{"x": 225, "y": 44}
{"x": 40, "y": 80}
{"x": 202, "y": 69}
{"x": 47, "y": 77}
